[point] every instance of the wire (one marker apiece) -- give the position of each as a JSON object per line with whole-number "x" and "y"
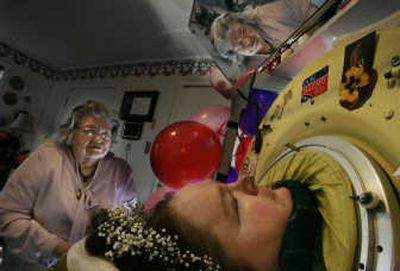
{"x": 258, "y": 140}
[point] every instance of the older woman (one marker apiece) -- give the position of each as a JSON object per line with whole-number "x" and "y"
{"x": 48, "y": 201}
{"x": 259, "y": 30}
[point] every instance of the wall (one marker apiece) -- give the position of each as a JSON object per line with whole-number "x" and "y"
{"x": 32, "y": 98}
{"x": 178, "y": 99}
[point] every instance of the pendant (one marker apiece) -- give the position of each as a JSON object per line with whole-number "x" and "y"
{"x": 78, "y": 194}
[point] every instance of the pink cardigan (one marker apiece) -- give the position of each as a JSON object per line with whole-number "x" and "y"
{"x": 44, "y": 200}
{"x": 279, "y": 19}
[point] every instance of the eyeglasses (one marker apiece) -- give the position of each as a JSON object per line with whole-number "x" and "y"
{"x": 92, "y": 132}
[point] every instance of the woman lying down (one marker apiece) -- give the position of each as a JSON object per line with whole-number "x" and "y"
{"x": 283, "y": 223}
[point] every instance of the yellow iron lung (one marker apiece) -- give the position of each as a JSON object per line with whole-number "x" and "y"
{"x": 374, "y": 127}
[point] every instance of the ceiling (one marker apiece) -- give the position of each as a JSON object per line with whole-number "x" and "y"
{"x": 75, "y": 34}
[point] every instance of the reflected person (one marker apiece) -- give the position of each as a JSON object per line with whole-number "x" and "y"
{"x": 259, "y": 30}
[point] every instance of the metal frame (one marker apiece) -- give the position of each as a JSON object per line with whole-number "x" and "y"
{"x": 379, "y": 218}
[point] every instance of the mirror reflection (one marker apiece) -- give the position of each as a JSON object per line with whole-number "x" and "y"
{"x": 251, "y": 31}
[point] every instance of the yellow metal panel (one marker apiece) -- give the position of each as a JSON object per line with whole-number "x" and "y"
{"x": 374, "y": 128}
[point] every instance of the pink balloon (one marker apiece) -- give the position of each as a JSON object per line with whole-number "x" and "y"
{"x": 157, "y": 196}
{"x": 214, "y": 117}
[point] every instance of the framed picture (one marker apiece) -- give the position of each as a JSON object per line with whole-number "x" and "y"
{"x": 138, "y": 106}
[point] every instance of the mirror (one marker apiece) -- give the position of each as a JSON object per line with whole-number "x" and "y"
{"x": 258, "y": 33}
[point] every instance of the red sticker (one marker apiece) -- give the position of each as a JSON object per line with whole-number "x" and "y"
{"x": 315, "y": 85}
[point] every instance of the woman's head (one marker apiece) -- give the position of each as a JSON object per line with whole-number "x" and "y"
{"x": 239, "y": 225}
{"x": 237, "y": 33}
{"x": 88, "y": 131}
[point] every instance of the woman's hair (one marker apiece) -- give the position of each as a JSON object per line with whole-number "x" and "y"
{"x": 220, "y": 30}
{"x": 180, "y": 245}
{"x": 89, "y": 108}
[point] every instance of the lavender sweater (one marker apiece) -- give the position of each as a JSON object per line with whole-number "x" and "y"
{"x": 45, "y": 201}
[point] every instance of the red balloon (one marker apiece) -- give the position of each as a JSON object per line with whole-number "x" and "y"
{"x": 185, "y": 152}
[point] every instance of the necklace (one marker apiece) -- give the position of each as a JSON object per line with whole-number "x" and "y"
{"x": 86, "y": 173}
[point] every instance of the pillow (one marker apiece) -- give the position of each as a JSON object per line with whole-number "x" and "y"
{"x": 330, "y": 183}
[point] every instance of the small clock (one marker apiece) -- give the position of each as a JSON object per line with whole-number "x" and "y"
{"x": 132, "y": 130}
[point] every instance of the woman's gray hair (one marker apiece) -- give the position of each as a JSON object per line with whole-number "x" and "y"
{"x": 88, "y": 108}
{"x": 220, "y": 30}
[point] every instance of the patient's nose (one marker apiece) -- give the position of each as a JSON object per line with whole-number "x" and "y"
{"x": 246, "y": 185}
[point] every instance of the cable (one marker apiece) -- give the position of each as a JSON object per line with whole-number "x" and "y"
{"x": 258, "y": 141}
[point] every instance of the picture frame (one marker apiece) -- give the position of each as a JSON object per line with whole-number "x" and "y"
{"x": 138, "y": 106}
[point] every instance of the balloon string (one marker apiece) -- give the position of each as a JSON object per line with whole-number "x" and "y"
{"x": 221, "y": 129}
{"x": 245, "y": 76}
{"x": 241, "y": 148}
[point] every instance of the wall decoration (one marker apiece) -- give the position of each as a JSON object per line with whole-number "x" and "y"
{"x": 10, "y": 98}
{"x": 132, "y": 130}
{"x": 16, "y": 83}
{"x": 280, "y": 109}
{"x": 2, "y": 72}
{"x": 164, "y": 68}
{"x": 315, "y": 84}
{"x": 23, "y": 122}
{"x": 358, "y": 78}
{"x": 138, "y": 106}
{"x": 21, "y": 59}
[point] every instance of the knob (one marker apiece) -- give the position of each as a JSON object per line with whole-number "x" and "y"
{"x": 368, "y": 200}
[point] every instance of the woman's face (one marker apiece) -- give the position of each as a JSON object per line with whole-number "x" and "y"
{"x": 91, "y": 140}
{"x": 245, "y": 40}
{"x": 248, "y": 221}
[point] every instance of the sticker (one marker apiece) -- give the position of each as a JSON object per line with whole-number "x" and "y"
{"x": 358, "y": 78}
{"x": 280, "y": 109}
{"x": 315, "y": 85}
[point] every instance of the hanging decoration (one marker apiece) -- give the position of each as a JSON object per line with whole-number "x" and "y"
{"x": 23, "y": 60}
{"x": 167, "y": 68}
{"x": 163, "y": 68}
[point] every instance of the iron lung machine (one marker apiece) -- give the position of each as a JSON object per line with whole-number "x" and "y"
{"x": 347, "y": 105}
